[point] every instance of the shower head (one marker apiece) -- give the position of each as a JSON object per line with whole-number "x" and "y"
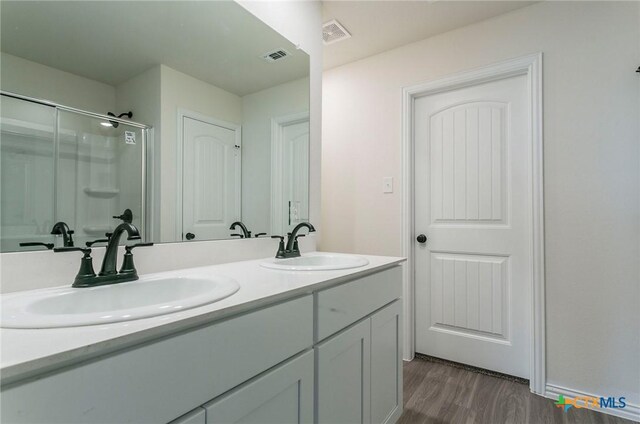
{"x": 115, "y": 124}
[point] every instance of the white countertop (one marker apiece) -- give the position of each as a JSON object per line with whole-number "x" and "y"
{"x": 27, "y": 352}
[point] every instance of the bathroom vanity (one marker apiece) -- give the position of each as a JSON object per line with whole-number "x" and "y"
{"x": 179, "y": 145}
{"x": 287, "y": 347}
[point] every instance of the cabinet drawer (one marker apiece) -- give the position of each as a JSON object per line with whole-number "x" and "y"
{"x": 160, "y": 381}
{"x": 340, "y": 306}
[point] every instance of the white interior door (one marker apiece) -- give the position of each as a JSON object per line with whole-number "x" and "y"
{"x": 296, "y": 174}
{"x": 473, "y": 202}
{"x": 211, "y": 180}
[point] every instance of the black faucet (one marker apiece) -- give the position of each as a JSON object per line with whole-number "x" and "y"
{"x": 108, "y": 275}
{"x": 292, "y": 250}
{"x": 111, "y": 254}
{"x": 245, "y": 232}
{"x": 62, "y": 229}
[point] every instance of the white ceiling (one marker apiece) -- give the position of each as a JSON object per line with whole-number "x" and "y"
{"x": 111, "y": 41}
{"x": 378, "y": 26}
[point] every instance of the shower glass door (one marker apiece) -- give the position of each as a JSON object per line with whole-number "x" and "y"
{"x": 63, "y": 164}
{"x": 27, "y": 182}
{"x": 99, "y": 174}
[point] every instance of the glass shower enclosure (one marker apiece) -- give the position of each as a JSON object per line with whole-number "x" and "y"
{"x": 63, "y": 164}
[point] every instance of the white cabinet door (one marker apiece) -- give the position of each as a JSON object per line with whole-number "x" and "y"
{"x": 281, "y": 396}
{"x": 343, "y": 377}
{"x": 197, "y": 416}
{"x": 386, "y": 364}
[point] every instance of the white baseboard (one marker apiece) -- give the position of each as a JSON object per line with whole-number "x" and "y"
{"x": 630, "y": 412}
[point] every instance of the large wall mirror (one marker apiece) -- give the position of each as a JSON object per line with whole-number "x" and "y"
{"x": 183, "y": 117}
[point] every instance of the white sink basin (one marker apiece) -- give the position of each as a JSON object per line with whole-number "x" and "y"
{"x": 316, "y": 262}
{"x": 146, "y": 297}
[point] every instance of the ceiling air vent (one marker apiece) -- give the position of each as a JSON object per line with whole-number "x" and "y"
{"x": 278, "y": 54}
{"x": 332, "y": 32}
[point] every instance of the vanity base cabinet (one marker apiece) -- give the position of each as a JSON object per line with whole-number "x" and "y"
{"x": 162, "y": 380}
{"x": 280, "y": 396}
{"x": 359, "y": 371}
{"x": 330, "y": 357}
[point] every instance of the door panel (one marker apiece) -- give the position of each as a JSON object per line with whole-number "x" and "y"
{"x": 282, "y": 396}
{"x": 211, "y": 180}
{"x": 473, "y": 201}
{"x": 386, "y": 364}
{"x": 467, "y": 146}
{"x": 296, "y": 178}
{"x": 344, "y": 370}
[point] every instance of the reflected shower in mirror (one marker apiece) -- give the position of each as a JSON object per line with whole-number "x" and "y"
{"x": 191, "y": 115}
{"x": 65, "y": 174}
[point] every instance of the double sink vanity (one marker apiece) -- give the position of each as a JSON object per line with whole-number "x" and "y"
{"x": 314, "y": 338}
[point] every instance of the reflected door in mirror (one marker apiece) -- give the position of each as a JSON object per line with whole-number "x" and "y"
{"x": 211, "y": 179}
{"x": 290, "y": 172}
{"x": 296, "y": 151}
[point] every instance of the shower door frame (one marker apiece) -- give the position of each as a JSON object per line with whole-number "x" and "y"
{"x": 145, "y": 215}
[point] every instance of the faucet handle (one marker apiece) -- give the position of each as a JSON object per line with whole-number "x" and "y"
{"x": 260, "y": 234}
{"x": 131, "y": 247}
{"x": 37, "y": 243}
{"x": 85, "y": 250}
{"x": 91, "y": 243}
{"x": 237, "y": 235}
{"x": 281, "y": 249}
{"x": 86, "y": 264}
{"x": 127, "y": 262}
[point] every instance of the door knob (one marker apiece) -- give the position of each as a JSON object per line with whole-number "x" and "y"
{"x": 421, "y": 238}
{"x": 189, "y": 236}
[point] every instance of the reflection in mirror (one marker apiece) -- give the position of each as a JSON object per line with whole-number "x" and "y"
{"x": 27, "y": 157}
{"x": 65, "y": 174}
{"x": 219, "y": 130}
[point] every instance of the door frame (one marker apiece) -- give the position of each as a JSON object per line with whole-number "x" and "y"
{"x": 531, "y": 66}
{"x": 185, "y": 113}
{"x": 277, "y": 176}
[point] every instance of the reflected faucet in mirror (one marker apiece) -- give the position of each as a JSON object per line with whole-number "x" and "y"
{"x": 62, "y": 229}
{"x": 59, "y": 229}
{"x": 87, "y": 277}
{"x": 245, "y": 232}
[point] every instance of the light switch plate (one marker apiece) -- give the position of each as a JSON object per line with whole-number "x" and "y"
{"x": 387, "y": 185}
